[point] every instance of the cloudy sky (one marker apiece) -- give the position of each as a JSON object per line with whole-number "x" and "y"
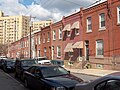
{"x": 43, "y": 9}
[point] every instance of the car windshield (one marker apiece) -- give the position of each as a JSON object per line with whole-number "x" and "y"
{"x": 53, "y": 71}
{"x": 11, "y": 63}
{"x": 28, "y": 63}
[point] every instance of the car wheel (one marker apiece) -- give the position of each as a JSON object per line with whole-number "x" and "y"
{"x": 26, "y": 83}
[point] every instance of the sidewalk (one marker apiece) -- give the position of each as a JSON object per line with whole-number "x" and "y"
{"x": 9, "y": 83}
{"x": 93, "y": 72}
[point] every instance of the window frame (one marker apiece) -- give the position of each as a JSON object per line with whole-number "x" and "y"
{"x": 39, "y": 39}
{"x": 76, "y": 31}
{"x": 118, "y": 14}
{"x": 60, "y": 33}
{"x": 104, "y": 83}
{"x": 48, "y": 39}
{"x": 45, "y": 50}
{"x": 89, "y": 18}
{"x": 100, "y": 20}
{"x": 97, "y": 55}
{"x": 68, "y": 33}
{"x": 58, "y": 51}
{"x": 54, "y": 35}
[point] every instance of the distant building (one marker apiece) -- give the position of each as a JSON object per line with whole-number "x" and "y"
{"x": 41, "y": 24}
{"x": 13, "y": 28}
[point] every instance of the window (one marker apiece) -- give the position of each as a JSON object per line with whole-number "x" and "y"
{"x": 48, "y": 37}
{"x": 45, "y": 51}
{"x": 54, "y": 35}
{"x": 99, "y": 48}
{"x": 118, "y": 14}
{"x": 44, "y": 38}
{"x": 102, "y": 20}
{"x": 76, "y": 31}
{"x": 89, "y": 24}
{"x": 36, "y": 41}
{"x": 60, "y": 34}
{"x": 108, "y": 85}
{"x": 68, "y": 33}
{"x": 58, "y": 51}
{"x": 39, "y": 40}
{"x": 39, "y": 53}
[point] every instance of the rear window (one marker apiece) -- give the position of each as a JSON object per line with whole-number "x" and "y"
{"x": 28, "y": 62}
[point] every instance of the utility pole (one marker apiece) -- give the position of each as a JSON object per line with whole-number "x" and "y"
{"x": 30, "y": 36}
{"x": 15, "y": 31}
{"x": 30, "y": 43}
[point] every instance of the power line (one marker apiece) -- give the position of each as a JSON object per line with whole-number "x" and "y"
{"x": 72, "y": 2}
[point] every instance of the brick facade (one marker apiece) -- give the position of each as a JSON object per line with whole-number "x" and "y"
{"x": 95, "y": 41}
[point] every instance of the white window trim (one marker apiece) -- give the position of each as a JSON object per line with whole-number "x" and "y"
{"x": 39, "y": 40}
{"x": 57, "y": 51}
{"x": 87, "y": 25}
{"x": 44, "y": 40}
{"x": 101, "y": 28}
{"x": 98, "y": 56}
{"x": 36, "y": 40}
{"x": 54, "y": 34}
{"x": 45, "y": 50}
{"x": 76, "y": 32}
{"x": 60, "y": 32}
{"x": 68, "y": 35}
{"x": 118, "y": 17}
{"x": 48, "y": 39}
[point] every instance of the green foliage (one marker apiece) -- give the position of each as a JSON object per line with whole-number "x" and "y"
{"x": 3, "y": 49}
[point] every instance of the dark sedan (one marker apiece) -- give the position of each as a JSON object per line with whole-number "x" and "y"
{"x": 109, "y": 82}
{"x": 9, "y": 65}
{"x": 50, "y": 77}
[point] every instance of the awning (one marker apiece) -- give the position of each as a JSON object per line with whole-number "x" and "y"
{"x": 68, "y": 48}
{"x": 75, "y": 25}
{"x": 78, "y": 44}
{"x": 67, "y": 28}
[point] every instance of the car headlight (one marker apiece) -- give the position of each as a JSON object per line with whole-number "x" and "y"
{"x": 58, "y": 88}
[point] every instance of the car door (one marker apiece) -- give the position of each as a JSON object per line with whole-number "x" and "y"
{"x": 109, "y": 85}
{"x": 38, "y": 80}
{"x": 30, "y": 76}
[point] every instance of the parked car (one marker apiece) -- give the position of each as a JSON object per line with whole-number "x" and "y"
{"x": 9, "y": 65}
{"x": 44, "y": 62}
{"x": 49, "y": 77}
{"x": 2, "y": 58}
{"x": 1, "y": 63}
{"x": 109, "y": 82}
{"x": 58, "y": 62}
{"x": 40, "y": 58}
{"x": 22, "y": 65}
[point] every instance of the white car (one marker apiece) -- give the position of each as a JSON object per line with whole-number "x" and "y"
{"x": 44, "y": 62}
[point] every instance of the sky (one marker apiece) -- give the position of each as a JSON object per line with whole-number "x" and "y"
{"x": 43, "y": 9}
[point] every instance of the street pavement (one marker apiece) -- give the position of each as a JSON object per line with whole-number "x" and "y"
{"x": 9, "y": 83}
{"x": 94, "y": 72}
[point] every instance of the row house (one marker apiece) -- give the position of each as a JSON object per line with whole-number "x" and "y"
{"x": 88, "y": 38}
{"x": 101, "y": 25}
{"x": 56, "y": 41}
{"x": 14, "y": 49}
{"x": 72, "y": 39}
{"x": 46, "y": 42}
